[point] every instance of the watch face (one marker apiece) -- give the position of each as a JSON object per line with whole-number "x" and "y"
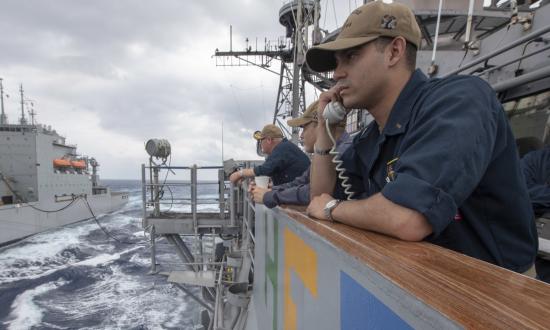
{"x": 331, "y": 204}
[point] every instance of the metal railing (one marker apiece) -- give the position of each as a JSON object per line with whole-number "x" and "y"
{"x": 154, "y": 189}
{"x": 197, "y": 251}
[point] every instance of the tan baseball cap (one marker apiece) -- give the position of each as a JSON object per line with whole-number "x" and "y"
{"x": 270, "y": 130}
{"x": 365, "y": 24}
{"x": 307, "y": 117}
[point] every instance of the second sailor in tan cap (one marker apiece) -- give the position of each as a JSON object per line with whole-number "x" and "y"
{"x": 285, "y": 161}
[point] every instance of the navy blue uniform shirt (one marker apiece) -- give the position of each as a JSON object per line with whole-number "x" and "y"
{"x": 285, "y": 163}
{"x": 296, "y": 192}
{"x": 447, "y": 151}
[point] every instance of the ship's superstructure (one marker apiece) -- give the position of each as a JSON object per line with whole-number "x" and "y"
{"x": 40, "y": 175}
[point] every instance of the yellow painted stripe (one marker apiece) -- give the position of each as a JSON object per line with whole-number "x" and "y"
{"x": 302, "y": 259}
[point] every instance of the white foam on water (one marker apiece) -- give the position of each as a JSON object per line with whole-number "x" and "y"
{"x": 139, "y": 260}
{"x": 57, "y": 263}
{"x": 25, "y": 313}
{"x": 124, "y": 301}
{"x": 41, "y": 253}
{"x": 104, "y": 259}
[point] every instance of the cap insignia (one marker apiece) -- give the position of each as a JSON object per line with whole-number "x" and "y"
{"x": 388, "y": 22}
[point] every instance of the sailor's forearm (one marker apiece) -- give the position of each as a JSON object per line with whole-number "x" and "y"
{"x": 381, "y": 215}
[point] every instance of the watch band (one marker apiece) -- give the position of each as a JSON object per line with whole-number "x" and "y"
{"x": 331, "y": 205}
{"x": 321, "y": 152}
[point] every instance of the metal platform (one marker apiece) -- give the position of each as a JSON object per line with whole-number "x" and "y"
{"x": 184, "y": 224}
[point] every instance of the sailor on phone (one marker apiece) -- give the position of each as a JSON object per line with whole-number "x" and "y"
{"x": 439, "y": 163}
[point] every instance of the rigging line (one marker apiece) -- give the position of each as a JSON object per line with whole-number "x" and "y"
{"x": 103, "y": 229}
{"x": 58, "y": 210}
{"x": 164, "y": 182}
{"x": 34, "y": 207}
{"x": 463, "y": 57}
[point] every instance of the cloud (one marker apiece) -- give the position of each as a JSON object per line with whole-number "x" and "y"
{"x": 112, "y": 74}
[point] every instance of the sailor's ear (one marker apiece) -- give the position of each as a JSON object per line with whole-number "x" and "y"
{"x": 395, "y": 51}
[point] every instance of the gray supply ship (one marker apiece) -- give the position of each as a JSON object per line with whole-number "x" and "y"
{"x": 310, "y": 274}
{"x": 44, "y": 182}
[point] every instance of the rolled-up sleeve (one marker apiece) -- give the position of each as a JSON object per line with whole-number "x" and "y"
{"x": 435, "y": 204}
{"x": 446, "y": 151}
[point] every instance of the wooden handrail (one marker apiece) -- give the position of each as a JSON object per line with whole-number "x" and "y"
{"x": 473, "y": 293}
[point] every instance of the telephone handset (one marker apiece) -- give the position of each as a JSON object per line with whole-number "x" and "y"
{"x": 334, "y": 113}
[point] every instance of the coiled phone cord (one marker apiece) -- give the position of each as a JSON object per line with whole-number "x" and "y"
{"x": 339, "y": 165}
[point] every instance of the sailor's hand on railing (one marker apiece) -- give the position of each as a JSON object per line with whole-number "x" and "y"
{"x": 316, "y": 207}
{"x": 236, "y": 177}
{"x": 258, "y": 194}
{"x": 251, "y": 186}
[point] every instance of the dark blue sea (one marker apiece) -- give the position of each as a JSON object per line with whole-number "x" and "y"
{"x": 76, "y": 277}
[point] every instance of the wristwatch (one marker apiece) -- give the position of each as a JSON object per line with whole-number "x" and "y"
{"x": 331, "y": 205}
{"x": 321, "y": 152}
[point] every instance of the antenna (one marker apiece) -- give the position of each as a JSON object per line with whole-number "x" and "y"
{"x": 3, "y": 117}
{"x": 296, "y": 17}
{"x": 32, "y": 114}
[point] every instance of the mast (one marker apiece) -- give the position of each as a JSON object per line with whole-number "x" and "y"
{"x": 22, "y": 121}
{"x": 297, "y": 82}
{"x": 296, "y": 16}
{"x": 3, "y": 117}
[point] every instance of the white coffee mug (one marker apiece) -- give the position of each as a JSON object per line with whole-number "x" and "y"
{"x": 262, "y": 181}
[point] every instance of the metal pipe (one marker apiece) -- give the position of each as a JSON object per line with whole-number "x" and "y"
{"x": 512, "y": 61}
{"x": 437, "y": 30}
{"x": 143, "y": 195}
{"x": 157, "y": 192}
{"x": 218, "y": 301}
{"x": 526, "y": 78}
{"x": 151, "y": 178}
{"x": 232, "y": 205}
{"x": 188, "y": 167}
{"x": 153, "y": 251}
{"x": 185, "y": 184}
{"x": 469, "y": 23}
{"x": 194, "y": 197}
{"x": 245, "y": 214}
{"x": 221, "y": 191}
{"x": 500, "y": 50}
{"x": 203, "y": 203}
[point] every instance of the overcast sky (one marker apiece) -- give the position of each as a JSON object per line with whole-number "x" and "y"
{"x": 110, "y": 74}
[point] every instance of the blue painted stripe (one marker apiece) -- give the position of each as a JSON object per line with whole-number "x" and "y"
{"x": 360, "y": 309}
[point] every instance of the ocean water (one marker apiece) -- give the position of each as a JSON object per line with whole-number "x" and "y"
{"x": 75, "y": 277}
